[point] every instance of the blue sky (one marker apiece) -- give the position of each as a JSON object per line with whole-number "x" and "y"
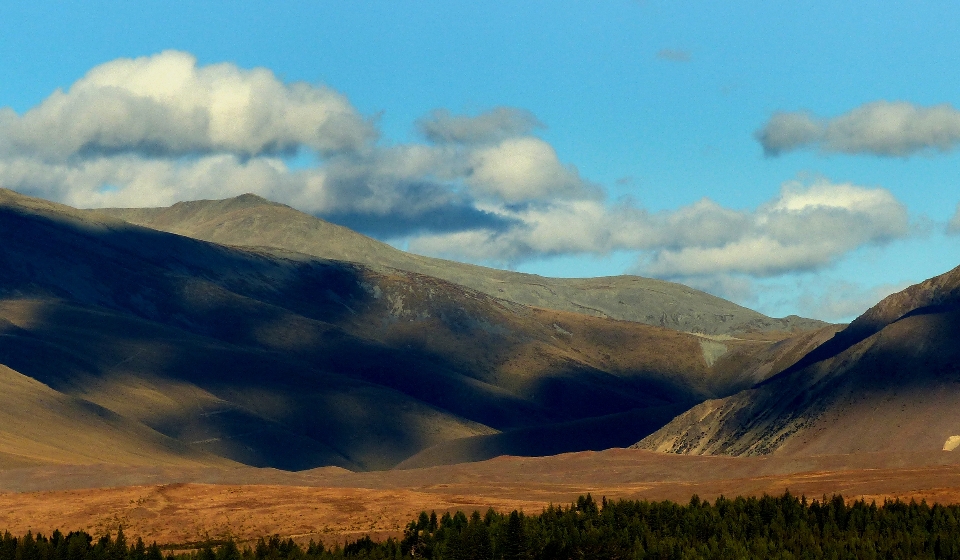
{"x": 561, "y": 138}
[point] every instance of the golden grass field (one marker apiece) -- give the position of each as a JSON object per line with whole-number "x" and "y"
{"x": 144, "y": 373}
{"x": 184, "y": 505}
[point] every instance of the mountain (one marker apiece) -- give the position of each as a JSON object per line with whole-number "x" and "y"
{"x": 210, "y": 354}
{"x": 39, "y": 425}
{"x": 890, "y": 381}
{"x": 251, "y": 221}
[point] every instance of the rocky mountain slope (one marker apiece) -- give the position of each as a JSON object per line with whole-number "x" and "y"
{"x": 890, "y": 381}
{"x": 249, "y": 221}
{"x": 267, "y": 357}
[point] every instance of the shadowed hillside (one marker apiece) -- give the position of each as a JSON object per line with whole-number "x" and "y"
{"x": 249, "y": 220}
{"x": 273, "y": 358}
{"x": 890, "y": 381}
{"x": 39, "y": 425}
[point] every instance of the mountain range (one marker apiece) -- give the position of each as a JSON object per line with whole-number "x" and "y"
{"x": 251, "y": 221}
{"x": 244, "y": 332}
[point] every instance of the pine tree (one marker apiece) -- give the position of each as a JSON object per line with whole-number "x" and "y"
{"x": 514, "y": 547}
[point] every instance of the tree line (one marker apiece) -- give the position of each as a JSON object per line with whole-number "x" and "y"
{"x": 784, "y": 527}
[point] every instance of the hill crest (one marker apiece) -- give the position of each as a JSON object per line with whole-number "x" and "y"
{"x": 269, "y": 357}
{"x": 252, "y": 221}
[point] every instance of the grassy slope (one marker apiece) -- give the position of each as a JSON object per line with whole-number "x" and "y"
{"x": 39, "y": 425}
{"x": 249, "y": 220}
{"x": 281, "y": 359}
{"x": 889, "y": 382}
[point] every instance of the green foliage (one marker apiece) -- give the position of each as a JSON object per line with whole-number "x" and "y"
{"x": 77, "y": 545}
{"x": 783, "y": 527}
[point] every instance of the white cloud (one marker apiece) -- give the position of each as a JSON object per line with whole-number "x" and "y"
{"x": 880, "y": 128}
{"x": 520, "y": 169}
{"x": 166, "y": 105}
{"x": 131, "y": 180}
{"x": 156, "y": 130}
{"x": 584, "y": 226}
{"x": 785, "y": 132}
{"x": 807, "y": 227}
{"x": 701, "y": 224}
{"x": 498, "y": 124}
{"x": 376, "y": 194}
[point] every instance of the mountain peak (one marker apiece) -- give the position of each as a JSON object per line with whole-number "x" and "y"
{"x": 246, "y": 200}
{"x": 244, "y": 221}
{"x": 250, "y": 198}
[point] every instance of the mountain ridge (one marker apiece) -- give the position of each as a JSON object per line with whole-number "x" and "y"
{"x": 887, "y": 382}
{"x": 269, "y": 357}
{"x": 251, "y": 221}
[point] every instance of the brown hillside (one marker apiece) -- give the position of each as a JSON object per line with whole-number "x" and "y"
{"x": 251, "y": 221}
{"x": 39, "y": 425}
{"x": 897, "y": 389}
{"x": 272, "y": 358}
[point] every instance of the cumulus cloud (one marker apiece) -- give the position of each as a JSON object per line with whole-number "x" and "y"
{"x": 520, "y": 169}
{"x": 168, "y": 106}
{"x": 785, "y": 132}
{"x": 132, "y": 181}
{"x": 562, "y": 228}
{"x": 372, "y": 197}
{"x": 156, "y": 130}
{"x": 576, "y": 227}
{"x": 807, "y": 227}
{"x": 496, "y": 157}
{"x": 880, "y": 128}
{"x": 498, "y": 124}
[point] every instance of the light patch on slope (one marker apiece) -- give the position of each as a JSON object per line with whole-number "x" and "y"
{"x": 712, "y": 351}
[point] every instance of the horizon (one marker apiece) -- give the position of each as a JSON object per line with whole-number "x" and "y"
{"x": 796, "y": 161}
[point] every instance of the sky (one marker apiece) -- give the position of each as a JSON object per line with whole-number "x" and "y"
{"x": 797, "y": 159}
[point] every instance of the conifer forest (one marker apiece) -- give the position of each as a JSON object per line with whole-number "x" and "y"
{"x": 784, "y": 527}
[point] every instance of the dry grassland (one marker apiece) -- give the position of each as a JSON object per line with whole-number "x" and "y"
{"x": 334, "y": 505}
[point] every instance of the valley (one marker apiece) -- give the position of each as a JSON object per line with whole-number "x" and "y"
{"x": 272, "y": 358}
{"x": 230, "y": 362}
